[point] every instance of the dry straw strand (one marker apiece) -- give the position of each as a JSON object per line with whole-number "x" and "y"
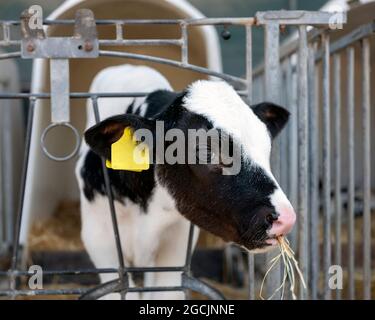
{"x": 290, "y": 264}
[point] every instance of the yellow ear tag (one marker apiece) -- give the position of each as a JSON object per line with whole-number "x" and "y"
{"x": 128, "y": 154}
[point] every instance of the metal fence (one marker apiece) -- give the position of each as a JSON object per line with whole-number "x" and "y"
{"x": 291, "y": 75}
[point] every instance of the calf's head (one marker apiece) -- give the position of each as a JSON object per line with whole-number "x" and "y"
{"x": 246, "y": 205}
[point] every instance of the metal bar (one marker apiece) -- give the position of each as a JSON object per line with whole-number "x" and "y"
{"x": 326, "y": 168}
{"x": 246, "y": 21}
{"x": 75, "y": 95}
{"x": 79, "y": 291}
{"x": 49, "y": 22}
{"x": 229, "y": 78}
{"x": 122, "y": 275}
{"x": 3, "y": 215}
{"x": 272, "y": 87}
{"x": 300, "y": 17}
{"x": 7, "y": 175}
{"x": 10, "y": 43}
{"x": 10, "y": 55}
{"x": 292, "y": 146}
{"x": 249, "y": 64}
{"x": 351, "y": 182}
{"x": 303, "y": 156}
{"x": 272, "y": 70}
{"x": 284, "y": 140}
{"x": 184, "y": 44}
{"x": 59, "y": 75}
{"x": 314, "y": 173}
{"x": 251, "y": 266}
{"x": 283, "y": 135}
{"x": 249, "y": 78}
{"x": 141, "y": 42}
{"x": 17, "y": 227}
{"x": 198, "y": 21}
{"x": 337, "y": 159}
{"x": 43, "y": 292}
{"x": 366, "y": 168}
{"x": 21, "y": 273}
{"x": 84, "y": 95}
{"x": 189, "y": 249}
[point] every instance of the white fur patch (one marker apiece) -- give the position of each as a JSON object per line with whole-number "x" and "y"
{"x": 220, "y": 104}
{"x": 124, "y": 78}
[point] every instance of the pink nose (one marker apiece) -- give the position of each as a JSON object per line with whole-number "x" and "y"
{"x": 284, "y": 223}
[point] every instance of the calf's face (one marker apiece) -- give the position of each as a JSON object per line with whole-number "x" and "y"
{"x": 232, "y": 194}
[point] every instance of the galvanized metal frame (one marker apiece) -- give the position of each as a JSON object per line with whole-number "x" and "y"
{"x": 302, "y": 185}
{"x": 330, "y": 198}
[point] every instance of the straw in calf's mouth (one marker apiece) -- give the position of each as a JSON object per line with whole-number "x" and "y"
{"x": 290, "y": 263}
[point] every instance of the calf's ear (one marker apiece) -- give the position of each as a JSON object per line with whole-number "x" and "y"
{"x": 101, "y": 136}
{"x": 274, "y": 116}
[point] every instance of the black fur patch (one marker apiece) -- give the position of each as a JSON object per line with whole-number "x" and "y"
{"x": 158, "y": 101}
{"x": 136, "y": 186}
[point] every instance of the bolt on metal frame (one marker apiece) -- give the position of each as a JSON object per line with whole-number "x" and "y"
{"x": 299, "y": 177}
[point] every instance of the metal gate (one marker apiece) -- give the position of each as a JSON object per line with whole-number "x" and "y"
{"x": 295, "y": 159}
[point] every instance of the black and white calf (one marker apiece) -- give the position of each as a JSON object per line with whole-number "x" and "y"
{"x": 154, "y": 207}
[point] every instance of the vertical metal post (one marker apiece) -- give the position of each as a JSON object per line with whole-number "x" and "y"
{"x": 249, "y": 80}
{"x": 249, "y": 64}
{"x": 272, "y": 93}
{"x": 17, "y": 227}
{"x": 8, "y": 172}
{"x": 272, "y": 62}
{"x": 188, "y": 257}
{"x": 292, "y": 145}
{"x": 123, "y": 276}
{"x": 337, "y": 158}
{"x": 326, "y": 167}
{"x": 351, "y": 182}
{"x": 314, "y": 174}
{"x": 184, "y": 45}
{"x": 3, "y": 217}
{"x": 284, "y": 141}
{"x": 303, "y": 154}
{"x": 366, "y": 169}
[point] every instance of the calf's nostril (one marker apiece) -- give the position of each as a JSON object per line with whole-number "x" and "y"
{"x": 270, "y": 218}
